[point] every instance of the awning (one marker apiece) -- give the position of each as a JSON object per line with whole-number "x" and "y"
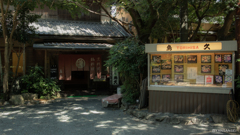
{"x": 73, "y": 46}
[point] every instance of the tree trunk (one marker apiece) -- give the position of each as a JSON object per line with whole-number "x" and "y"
{"x": 6, "y": 70}
{"x": 237, "y": 18}
{"x": 184, "y": 21}
{"x": 196, "y": 30}
{"x": 224, "y": 31}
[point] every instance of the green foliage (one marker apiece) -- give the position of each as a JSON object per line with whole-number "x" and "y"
{"x": 238, "y": 82}
{"x": 130, "y": 59}
{"x": 35, "y": 82}
{"x": 24, "y": 32}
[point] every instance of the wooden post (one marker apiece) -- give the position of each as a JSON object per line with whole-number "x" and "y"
{"x": 24, "y": 64}
{"x": 48, "y": 66}
{"x": 45, "y": 64}
{"x": 1, "y": 67}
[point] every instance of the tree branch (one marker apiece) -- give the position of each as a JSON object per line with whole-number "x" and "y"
{"x": 7, "y": 8}
{"x": 91, "y": 11}
{"x": 105, "y": 10}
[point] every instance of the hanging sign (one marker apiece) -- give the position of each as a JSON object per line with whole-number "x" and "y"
{"x": 190, "y": 47}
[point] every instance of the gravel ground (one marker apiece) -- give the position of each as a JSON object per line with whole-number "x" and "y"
{"x": 85, "y": 116}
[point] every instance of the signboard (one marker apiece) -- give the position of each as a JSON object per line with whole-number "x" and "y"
{"x": 115, "y": 77}
{"x": 190, "y": 47}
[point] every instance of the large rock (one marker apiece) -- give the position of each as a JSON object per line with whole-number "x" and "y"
{"x": 6, "y": 103}
{"x": 29, "y": 96}
{"x": 139, "y": 114}
{"x": 34, "y": 102}
{"x": 196, "y": 120}
{"x": 16, "y": 100}
{"x": 150, "y": 117}
{"x": 160, "y": 118}
{"x": 129, "y": 111}
{"x": 174, "y": 121}
{"x": 219, "y": 118}
{"x": 1, "y": 102}
{"x": 238, "y": 128}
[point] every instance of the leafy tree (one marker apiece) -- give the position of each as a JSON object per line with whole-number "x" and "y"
{"x": 130, "y": 60}
{"x": 14, "y": 28}
{"x": 211, "y": 11}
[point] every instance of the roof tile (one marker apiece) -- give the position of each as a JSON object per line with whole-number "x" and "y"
{"x": 77, "y": 28}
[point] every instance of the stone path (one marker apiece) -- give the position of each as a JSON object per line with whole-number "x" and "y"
{"x": 85, "y": 116}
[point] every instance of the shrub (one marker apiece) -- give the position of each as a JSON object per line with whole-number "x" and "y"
{"x": 129, "y": 57}
{"x": 35, "y": 82}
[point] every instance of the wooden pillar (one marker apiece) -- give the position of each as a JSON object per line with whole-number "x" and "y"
{"x": 45, "y": 64}
{"x": 237, "y": 18}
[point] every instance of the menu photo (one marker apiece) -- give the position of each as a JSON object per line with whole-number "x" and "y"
{"x": 228, "y": 79}
{"x": 166, "y": 64}
{"x": 206, "y": 58}
{"x": 155, "y": 78}
{"x": 208, "y": 79}
{"x": 166, "y": 77}
{"x": 178, "y": 78}
{"x": 156, "y": 59}
{"x": 156, "y": 69}
{"x": 192, "y": 59}
{"x": 178, "y": 68}
{"x": 228, "y": 58}
{"x": 218, "y": 79}
{"x": 178, "y": 58}
{"x": 222, "y": 69}
{"x": 205, "y": 68}
{"x": 218, "y": 58}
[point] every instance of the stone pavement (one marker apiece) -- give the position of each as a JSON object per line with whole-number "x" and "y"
{"x": 86, "y": 116}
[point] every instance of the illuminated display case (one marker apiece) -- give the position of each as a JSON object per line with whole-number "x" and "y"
{"x": 206, "y": 67}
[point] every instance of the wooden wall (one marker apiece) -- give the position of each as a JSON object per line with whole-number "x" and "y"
{"x": 34, "y": 57}
{"x": 185, "y": 102}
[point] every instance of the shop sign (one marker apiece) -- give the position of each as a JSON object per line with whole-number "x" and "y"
{"x": 190, "y": 47}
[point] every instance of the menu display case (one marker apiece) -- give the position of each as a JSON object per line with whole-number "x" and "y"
{"x": 206, "y": 67}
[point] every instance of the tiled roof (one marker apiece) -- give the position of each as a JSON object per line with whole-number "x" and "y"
{"x": 77, "y": 28}
{"x": 72, "y": 46}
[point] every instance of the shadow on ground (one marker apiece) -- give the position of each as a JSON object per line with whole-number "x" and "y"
{"x": 84, "y": 116}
